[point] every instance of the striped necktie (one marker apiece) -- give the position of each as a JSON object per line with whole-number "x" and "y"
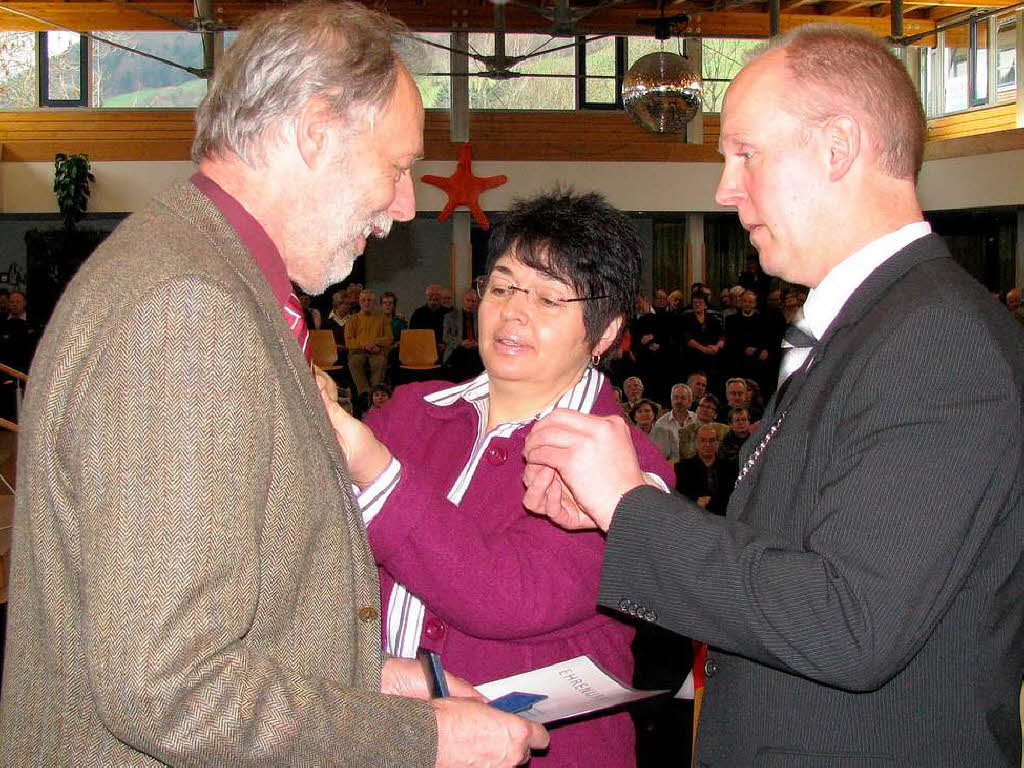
{"x": 796, "y": 346}
{"x": 297, "y": 322}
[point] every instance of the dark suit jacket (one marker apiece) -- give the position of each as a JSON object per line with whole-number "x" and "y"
{"x": 863, "y": 599}
{"x": 191, "y": 579}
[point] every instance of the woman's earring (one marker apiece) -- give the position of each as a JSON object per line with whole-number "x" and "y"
{"x": 595, "y": 360}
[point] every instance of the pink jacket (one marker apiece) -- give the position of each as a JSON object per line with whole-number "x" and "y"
{"x": 505, "y": 591}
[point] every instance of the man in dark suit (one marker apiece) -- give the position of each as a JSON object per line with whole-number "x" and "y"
{"x": 863, "y": 599}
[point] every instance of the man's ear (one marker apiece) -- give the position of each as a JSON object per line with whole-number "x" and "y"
{"x": 313, "y": 132}
{"x": 608, "y": 337}
{"x": 843, "y": 136}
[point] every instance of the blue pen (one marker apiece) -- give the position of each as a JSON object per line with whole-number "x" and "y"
{"x": 434, "y": 672}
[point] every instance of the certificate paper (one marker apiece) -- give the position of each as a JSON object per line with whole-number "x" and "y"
{"x": 573, "y": 687}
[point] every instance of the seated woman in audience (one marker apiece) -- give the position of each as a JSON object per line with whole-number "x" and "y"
{"x": 465, "y": 569}
{"x": 643, "y": 413}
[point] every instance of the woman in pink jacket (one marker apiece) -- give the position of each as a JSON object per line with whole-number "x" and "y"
{"x": 465, "y": 569}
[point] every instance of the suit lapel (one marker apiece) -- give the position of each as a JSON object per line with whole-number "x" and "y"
{"x": 861, "y": 301}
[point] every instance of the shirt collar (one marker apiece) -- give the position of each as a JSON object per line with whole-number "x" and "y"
{"x": 824, "y": 302}
{"x": 580, "y": 397}
{"x": 255, "y": 239}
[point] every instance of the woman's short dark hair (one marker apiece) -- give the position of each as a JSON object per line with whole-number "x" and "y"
{"x": 580, "y": 240}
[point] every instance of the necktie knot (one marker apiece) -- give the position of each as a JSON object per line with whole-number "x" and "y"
{"x": 297, "y": 322}
{"x": 796, "y": 346}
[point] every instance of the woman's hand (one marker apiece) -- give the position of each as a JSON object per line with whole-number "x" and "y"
{"x": 366, "y": 456}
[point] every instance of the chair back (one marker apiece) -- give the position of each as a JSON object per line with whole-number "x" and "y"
{"x": 323, "y": 347}
{"x": 417, "y": 348}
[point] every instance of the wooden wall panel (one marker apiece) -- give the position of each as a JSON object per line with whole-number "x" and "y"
{"x": 37, "y": 135}
{"x": 102, "y": 134}
{"x": 976, "y": 121}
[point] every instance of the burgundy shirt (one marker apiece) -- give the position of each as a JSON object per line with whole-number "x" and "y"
{"x": 255, "y": 239}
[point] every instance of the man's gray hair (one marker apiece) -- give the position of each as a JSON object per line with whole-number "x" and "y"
{"x": 684, "y": 387}
{"x": 339, "y": 52}
{"x": 737, "y": 379}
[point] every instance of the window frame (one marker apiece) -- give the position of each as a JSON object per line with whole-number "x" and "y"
{"x": 581, "y": 75}
{"x": 43, "y": 72}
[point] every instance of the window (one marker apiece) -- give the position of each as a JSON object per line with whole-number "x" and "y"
{"x": 1006, "y": 57}
{"x": 979, "y": 72}
{"x": 63, "y": 60}
{"x": 721, "y": 60}
{"x": 124, "y": 79}
{"x": 552, "y": 88}
{"x": 955, "y": 64}
{"x": 429, "y": 66}
{"x": 600, "y": 66}
{"x": 18, "y": 70}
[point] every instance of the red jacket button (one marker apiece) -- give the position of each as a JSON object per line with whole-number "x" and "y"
{"x": 434, "y": 628}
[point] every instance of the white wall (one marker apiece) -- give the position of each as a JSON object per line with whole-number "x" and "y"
{"x": 967, "y": 182}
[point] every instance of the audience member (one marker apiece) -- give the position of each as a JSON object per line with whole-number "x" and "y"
{"x": 431, "y": 315}
{"x": 633, "y": 388}
{"x": 747, "y": 340}
{"x": 461, "y": 348}
{"x": 389, "y": 308}
{"x": 698, "y": 384}
{"x": 379, "y": 395}
{"x": 368, "y": 339}
{"x": 707, "y": 409}
{"x": 706, "y": 478}
{"x": 703, "y": 337}
{"x": 447, "y": 300}
{"x": 18, "y": 336}
{"x": 739, "y": 431}
{"x": 643, "y": 414}
{"x": 668, "y": 426}
{"x": 337, "y": 317}
{"x": 735, "y": 397}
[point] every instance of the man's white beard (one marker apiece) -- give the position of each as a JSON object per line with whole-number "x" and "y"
{"x": 343, "y": 257}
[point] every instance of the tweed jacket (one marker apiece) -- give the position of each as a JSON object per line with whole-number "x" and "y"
{"x": 864, "y": 598}
{"x": 192, "y": 583}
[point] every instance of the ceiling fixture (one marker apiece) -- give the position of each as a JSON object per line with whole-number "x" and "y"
{"x": 662, "y": 90}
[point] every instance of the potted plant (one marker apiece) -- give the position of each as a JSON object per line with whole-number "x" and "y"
{"x": 54, "y": 255}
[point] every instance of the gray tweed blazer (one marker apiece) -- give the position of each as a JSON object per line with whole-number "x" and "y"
{"x": 192, "y": 583}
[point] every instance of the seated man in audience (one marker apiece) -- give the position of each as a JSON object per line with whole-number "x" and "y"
{"x": 735, "y": 396}
{"x": 431, "y": 315}
{"x": 666, "y": 429}
{"x": 698, "y": 384}
{"x": 18, "y": 337}
{"x": 707, "y": 408}
{"x": 447, "y": 300}
{"x": 706, "y": 478}
{"x": 739, "y": 431}
{"x": 633, "y": 389}
{"x": 1013, "y": 304}
{"x": 461, "y": 349}
{"x": 368, "y": 339}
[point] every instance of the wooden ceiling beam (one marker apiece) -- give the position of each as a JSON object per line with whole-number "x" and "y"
{"x": 791, "y": 5}
{"x": 90, "y": 15}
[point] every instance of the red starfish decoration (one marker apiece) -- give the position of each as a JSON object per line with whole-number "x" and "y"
{"x": 464, "y": 188}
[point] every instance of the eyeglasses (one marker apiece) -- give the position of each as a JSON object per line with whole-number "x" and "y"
{"x": 497, "y": 289}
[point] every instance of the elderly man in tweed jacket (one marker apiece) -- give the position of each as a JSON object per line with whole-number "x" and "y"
{"x": 192, "y": 583}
